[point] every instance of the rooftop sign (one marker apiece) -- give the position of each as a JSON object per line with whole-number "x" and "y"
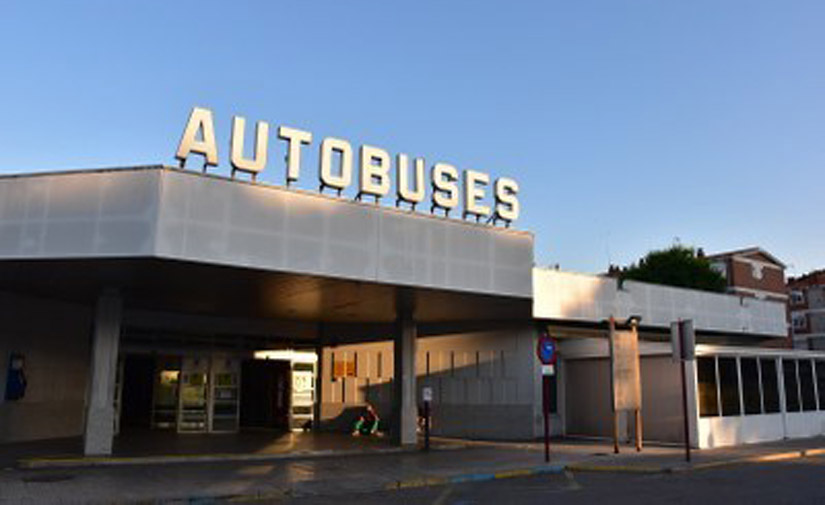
{"x": 335, "y": 171}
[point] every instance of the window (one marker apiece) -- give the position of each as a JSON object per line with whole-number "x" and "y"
{"x": 721, "y": 268}
{"x": 800, "y": 321}
{"x": 729, "y": 386}
{"x": 750, "y": 386}
{"x": 708, "y": 399}
{"x": 797, "y": 297}
{"x": 791, "y": 386}
{"x": 770, "y": 385}
{"x": 806, "y": 385}
{"x": 820, "y": 383}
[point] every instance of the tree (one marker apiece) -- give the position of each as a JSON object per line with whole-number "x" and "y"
{"x": 677, "y": 266}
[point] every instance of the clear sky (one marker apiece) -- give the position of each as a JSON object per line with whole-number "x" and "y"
{"x": 628, "y": 123}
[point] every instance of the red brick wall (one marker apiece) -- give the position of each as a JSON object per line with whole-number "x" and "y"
{"x": 740, "y": 274}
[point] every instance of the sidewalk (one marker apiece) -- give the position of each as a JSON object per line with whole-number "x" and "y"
{"x": 153, "y": 447}
{"x": 301, "y": 476}
{"x": 673, "y": 459}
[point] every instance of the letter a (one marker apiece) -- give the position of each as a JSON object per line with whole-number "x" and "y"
{"x": 200, "y": 121}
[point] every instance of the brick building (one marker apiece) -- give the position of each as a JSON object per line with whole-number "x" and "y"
{"x": 806, "y": 307}
{"x": 752, "y": 272}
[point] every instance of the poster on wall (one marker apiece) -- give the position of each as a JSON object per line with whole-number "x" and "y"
{"x": 343, "y": 368}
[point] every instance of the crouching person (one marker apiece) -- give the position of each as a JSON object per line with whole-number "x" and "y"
{"x": 367, "y": 423}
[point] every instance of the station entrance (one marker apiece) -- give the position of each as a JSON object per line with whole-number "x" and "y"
{"x": 214, "y": 392}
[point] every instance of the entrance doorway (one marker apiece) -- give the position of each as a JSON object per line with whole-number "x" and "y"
{"x": 136, "y": 406}
{"x": 186, "y": 394}
{"x": 218, "y": 393}
{"x": 265, "y": 394}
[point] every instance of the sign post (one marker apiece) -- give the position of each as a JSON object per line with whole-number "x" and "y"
{"x": 546, "y": 352}
{"x": 427, "y": 396}
{"x": 683, "y": 341}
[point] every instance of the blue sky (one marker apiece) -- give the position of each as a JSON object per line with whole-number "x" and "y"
{"x": 628, "y": 124}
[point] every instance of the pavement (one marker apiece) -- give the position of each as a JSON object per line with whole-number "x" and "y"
{"x": 330, "y": 473}
{"x": 144, "y": 446}
{"x": 796, "y": 481}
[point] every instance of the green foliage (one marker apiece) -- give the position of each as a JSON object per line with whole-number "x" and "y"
{"x": 676, "y": 266}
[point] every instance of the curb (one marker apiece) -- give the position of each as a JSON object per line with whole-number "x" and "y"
{"x": 84, "y": 462}
{"x": 762, "y": 458}
{"x": 684, "y": 468}
{"x": 476, "y": 477}
{"x": 639, "y": 469}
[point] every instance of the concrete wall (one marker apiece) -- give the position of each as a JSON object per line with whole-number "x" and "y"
{"x": 587, "y": 410}
{"x": 484, "y": 384}
{"x": 54, "y": 338}
{"x": 566, "y": 296}
{"x": 343, "y": 398}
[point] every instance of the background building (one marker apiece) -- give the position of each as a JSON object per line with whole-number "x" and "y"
{"x": 806, "y": 307}
{"x": 752, "y": 272}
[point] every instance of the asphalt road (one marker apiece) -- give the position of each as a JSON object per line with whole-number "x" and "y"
{"x": 798, "y": 481}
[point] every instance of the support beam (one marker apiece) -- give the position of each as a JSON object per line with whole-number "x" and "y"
{"x": 405, "y": 408}
{"x": 319, "y": 387}
{"x": 100, "y": 412}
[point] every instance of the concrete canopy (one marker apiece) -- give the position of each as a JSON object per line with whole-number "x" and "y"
{"x": 183, "y": 242}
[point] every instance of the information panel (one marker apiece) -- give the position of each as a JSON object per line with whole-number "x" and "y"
{"x": 624, "y": 364}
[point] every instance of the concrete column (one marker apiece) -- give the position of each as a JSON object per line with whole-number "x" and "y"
{"x": 100, "y": 410}
{"x": 405, "y": 408}
{"x": 692, "y": 381}
{"x": 319, "y": 387}
{"x": 5, "y": 358}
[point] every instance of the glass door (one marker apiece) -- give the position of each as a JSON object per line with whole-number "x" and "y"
{"x": 225, "y": 397}
{"x": 165, "y": 393}
{"x": 194, "y": 386}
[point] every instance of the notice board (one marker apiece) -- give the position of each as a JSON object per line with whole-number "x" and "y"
{"x": 624, "y": 369}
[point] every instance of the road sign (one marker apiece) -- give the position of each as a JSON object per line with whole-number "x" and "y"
{"x": 683, "y": 341}
{"x": 427, "y": 394}
{"x": 546, "y": 350}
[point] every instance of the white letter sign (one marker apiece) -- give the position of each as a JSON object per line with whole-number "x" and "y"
{"x": 240, "y": 163}
{"x": 341, "y": 180}
{"x": 375, "y": 172}
{"x": 449, "y": 188}
{"x": 200, "y": 121}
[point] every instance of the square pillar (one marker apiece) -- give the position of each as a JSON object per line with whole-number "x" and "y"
{"x": 317, "y": 411}
{"x": 405, "y": 407}
{"x": 692, "y": 401}
{"x": 100, "y": 409}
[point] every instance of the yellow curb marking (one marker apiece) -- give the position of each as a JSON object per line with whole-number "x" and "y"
{"x": 507, "y": 474}
{"x": 584, "y": 467}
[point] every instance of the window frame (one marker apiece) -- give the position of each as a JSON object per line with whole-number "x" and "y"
{"x": 736, "y": 409}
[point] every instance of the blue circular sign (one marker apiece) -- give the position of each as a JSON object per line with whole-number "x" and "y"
{"x": 546, "y": 350}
